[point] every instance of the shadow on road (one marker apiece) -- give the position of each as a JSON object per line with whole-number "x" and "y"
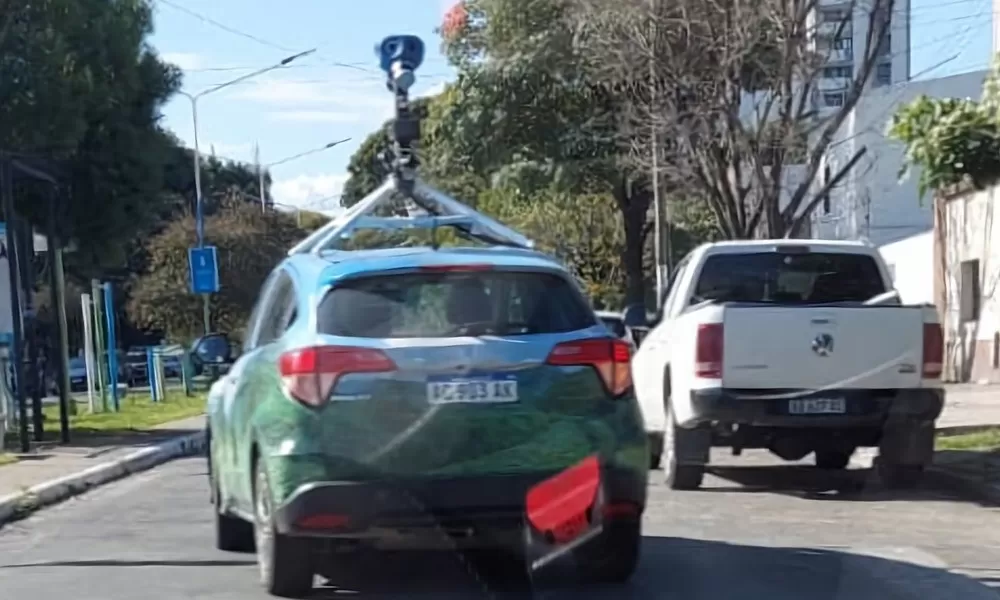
{"x": 671, "y": 568}
{"x": 816, "y": 484}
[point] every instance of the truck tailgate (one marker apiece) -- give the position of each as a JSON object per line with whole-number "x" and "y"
{"x": 789, "y": 347}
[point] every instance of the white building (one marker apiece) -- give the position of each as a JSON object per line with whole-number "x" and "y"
{"x": 841, "y": 37}
{"x": 872, "y": 202}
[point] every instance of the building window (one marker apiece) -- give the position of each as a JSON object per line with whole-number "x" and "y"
{"x": 836, "y": 99}
{"x": 833, "y": 16}
{"x": 969, "y": 291}
{"x": 832, "y": 72}
{"x": 844, "y": 43}
{"x": 883, "y": 74}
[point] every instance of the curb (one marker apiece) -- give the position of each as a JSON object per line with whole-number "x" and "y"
{"x": 18, "y": 506}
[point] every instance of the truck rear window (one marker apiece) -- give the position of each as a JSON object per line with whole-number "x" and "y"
{"x": 773, "y": 277}
{"x": 453, "y": 304}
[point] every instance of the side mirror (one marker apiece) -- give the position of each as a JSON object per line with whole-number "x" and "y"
{"x": 212, "y": 349}
{"x": 639, "y": 334}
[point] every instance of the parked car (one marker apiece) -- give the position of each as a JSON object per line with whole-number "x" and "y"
{"x": 391, "y": 395}
{"x": 797, "y": 346}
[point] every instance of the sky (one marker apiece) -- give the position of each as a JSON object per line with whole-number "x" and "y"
{"x": 336, "y": 93}
{"x": 339, "y": 92}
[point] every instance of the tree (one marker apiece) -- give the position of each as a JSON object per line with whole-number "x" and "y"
{"x": 250, "y": 244}
{"x": 726, "y": 87}
{"x": 522, "y": 108}
{"x": 83, "y": 89}
{"x": 952, "y": 140}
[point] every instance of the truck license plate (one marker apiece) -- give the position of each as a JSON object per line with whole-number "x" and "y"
{"x": 817, "y": 406}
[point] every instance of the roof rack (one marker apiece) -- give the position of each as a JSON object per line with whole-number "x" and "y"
{"x": 424, "y": 206}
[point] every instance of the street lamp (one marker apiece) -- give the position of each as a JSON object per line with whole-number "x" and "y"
{"x": 206, "y": 315}
{"x": 261, "y": 169}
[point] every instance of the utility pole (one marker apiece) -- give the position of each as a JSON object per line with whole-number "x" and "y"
{"x": 655, "y": 152}
{"x": 57, "y": 283}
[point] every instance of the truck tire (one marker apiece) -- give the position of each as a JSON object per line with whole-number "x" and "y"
{"x": 679, "y": 442}
{"x": 833, "y": 460}
{"x": 286, "y": 568}
{"x": 655, "y": 450}
{"x": 905, "y": 450}
{"x": 232, "y": 534}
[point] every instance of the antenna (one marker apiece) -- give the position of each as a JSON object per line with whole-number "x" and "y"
{"x": 399, "y": 57}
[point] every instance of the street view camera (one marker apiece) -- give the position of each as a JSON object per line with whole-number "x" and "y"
{"x": 399, "y": 56}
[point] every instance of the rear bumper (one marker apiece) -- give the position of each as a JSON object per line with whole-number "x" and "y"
{"x": 770, "y": 408}
{"x": 479, "y": 504}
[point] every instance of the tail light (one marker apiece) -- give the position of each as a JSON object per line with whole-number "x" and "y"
{"x": 310, "y": 374}
{"x": 609, "y": 357}
{"x": 933, "y": 351}
{"x": 708, "y": 351}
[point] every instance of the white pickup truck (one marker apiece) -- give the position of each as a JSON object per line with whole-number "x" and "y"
{"x": 796, "y": 346}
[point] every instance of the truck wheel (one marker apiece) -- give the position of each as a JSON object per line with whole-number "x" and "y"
{"x": 655, "y": 450}
{"x": 833, "y": 460}
{"x": 613, "y": 556}
{"x": 232, "y": 534}
{"x": 285, "y": 566}
{"x": 677, "y": 442}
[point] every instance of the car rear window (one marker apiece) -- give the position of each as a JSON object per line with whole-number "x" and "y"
{"x": 453, "y": 304}
{"x": 782, "y": 278}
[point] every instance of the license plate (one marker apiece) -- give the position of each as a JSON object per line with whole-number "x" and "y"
{"x": 817, "y": 406}
{"x": 487, "y": 389}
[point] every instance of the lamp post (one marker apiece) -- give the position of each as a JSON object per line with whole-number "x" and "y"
{"x": 261, "y": 169}
{"x": 193, "y": 98}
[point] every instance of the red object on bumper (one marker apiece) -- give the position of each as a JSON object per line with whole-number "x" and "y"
{"x": 560, "y": 506}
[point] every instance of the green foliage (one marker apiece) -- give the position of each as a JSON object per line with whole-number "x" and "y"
{"x": 952, "y": 140}
{"x": 250, "y": 244}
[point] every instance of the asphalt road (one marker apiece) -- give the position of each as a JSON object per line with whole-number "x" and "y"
{"x": 770, "y": 533}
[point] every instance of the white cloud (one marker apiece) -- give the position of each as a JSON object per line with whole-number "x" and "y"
{"x": 183, "y": 60}
{"x": 312, "y": 192}
{"x": 317, "y": 116}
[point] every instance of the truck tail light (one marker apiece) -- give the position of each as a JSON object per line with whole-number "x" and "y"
{"x": 933, "y": 352}
{"x": 611, "y": 359}
{"x": 708, "y": 351}
{"x": 310, "y": 374}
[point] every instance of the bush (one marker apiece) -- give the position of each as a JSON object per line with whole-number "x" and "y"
{"x": 250, "y": 244}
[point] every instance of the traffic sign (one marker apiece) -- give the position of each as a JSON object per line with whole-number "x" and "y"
{"x": 204, "y": 270}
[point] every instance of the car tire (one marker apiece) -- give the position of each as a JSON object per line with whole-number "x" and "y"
{"x": 833, "y": 460}
{"x": 232, "y": 534}
{"x": 285, "y": 562}
{"x": 680, "y": 476}
{"x": 612, "y": 556}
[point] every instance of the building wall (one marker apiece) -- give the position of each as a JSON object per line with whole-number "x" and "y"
{"x": 969, "y": 230}
{"x": 911, "y": 262}
{"x": 872, "y": 202}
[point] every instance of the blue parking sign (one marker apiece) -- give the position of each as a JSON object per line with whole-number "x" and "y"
{"x": 204, "y": 270}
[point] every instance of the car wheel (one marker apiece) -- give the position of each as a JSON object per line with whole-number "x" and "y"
{"x": 833, "y": 460}
{"x": 679, "y": 476}
{"x": 613, "y": 556}
{"x": 285, "y": 563}
{"x": 232, "y": 534}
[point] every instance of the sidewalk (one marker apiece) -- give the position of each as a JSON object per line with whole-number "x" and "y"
{"x": 54, "y": 461}
{"x": 970, "y": 405}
